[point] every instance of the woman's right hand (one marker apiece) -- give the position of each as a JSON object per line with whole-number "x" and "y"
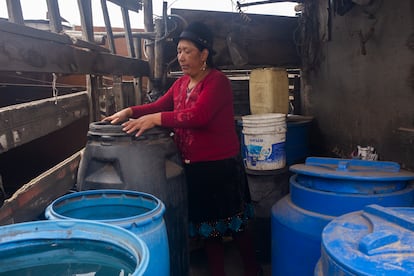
{"x": 119, "y": 116}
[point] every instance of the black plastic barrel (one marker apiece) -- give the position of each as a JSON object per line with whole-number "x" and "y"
{"x": 151, "y": 163}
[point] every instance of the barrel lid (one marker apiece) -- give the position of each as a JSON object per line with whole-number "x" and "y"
{"x": 374, "y": 241}
{"x": 102, "y": 128}
{"x": 105, "y": 128}
{"x": 352, "y": 169}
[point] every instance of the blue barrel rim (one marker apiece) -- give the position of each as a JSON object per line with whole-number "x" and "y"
{"x": 350, "y": 188}
{"x": 69, "y": 229}
{"x": 314, "y": 200}
{"x": 148, "y": 217}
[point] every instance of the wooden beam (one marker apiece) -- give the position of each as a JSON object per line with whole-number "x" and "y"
{"x": 108, "y": 27}
{"x": 89, "y": 45}
{"x": 28, "y": 54}
{"x": 55, "y": 22}
{"x": 93, "y": 84}
{"x": 132, "y": 5}
{"x": 30, "y": 201}
{"x": 159, "y": 52}
{"x": 14, "y": 10}
{"x": 138, "y": 80}
{"x": 85, "y": 10}
{"x": 92, "y": 81}
{"x": 22, "y": 123}
{"x": 149, "y": 27}
{"x": 32, "y": 32}
{"x": 128, "y": 33}
{"x": 241, "y": 5}
{"x": 118, "y": 93}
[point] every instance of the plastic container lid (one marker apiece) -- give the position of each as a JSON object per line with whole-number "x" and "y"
{"x": 351, "y": 175}
{"x": 375, "y": 241}
{"x": 106, "y": 129}
{"x": 351, "y": 169}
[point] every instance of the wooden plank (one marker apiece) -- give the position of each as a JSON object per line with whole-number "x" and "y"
{"x": 93, "y": 84}
{"x": 159, "y": 52}
{"x": 149, "y": 27}
{"x": 130, "y": 93}
{"x": 27, "y": 54}
{"x": 132, "y": 5}
{"x": 159, "y": 67}
{"x": 93, "y": 81}
{"x": 98, "y": 39}
{"x": 23, "y": 123}
{"x": 89, "y": 45}
{"x": 30, "y": 201}
{"x": 85, "y": 10}
{"x": 33, "y": 33}
{"x": 138, "y": 81}
{"x": 14, "y": 10}
{"x": 67, "y": 38}
{"x": 108, "y": 27}
{"x": 55, "y": 22}
{"x": 241, "y": 5}
{"x": 128, "y": 32}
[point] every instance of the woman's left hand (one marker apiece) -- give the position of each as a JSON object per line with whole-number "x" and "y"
{"x": 142, "y": 123}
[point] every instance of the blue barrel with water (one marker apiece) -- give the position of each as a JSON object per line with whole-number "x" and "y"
{"x": 140, "y": 213}
{"x": 70, "y": 247}
{"x": 322, "y": 189}
{"x": 374, "y": 241}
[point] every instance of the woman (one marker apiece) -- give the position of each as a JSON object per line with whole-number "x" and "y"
{"x": 199, "y": 107}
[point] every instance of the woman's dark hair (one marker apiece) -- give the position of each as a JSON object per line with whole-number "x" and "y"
{"x": 209, "y": 60}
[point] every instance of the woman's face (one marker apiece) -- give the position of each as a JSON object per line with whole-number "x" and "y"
{"x": 190, "y": 58}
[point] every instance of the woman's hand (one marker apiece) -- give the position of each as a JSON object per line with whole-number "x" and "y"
{"x": 142, "y": 123}
{"x": 119, "y": 116}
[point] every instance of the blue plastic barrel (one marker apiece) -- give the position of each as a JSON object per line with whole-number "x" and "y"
{"x": 140, "y": 213}
{"x": 297, "y": 144}
{"x": 374, "y": 241}
{"x": 70, "y": 247}
{"x": 322, "y": 189}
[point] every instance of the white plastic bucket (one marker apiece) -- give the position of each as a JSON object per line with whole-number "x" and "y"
{"x": 264, "y": 137}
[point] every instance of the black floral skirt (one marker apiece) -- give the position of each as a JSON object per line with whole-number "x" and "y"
{"x": 218, "y": 198}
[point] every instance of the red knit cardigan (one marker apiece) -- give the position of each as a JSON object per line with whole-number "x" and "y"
{"x": 203, "y": 120}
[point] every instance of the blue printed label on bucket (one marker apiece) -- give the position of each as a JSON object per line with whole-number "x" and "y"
{"x": 260, "y": 156}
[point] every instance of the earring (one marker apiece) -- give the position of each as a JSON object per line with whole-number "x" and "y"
{"x": 204, "y": 66}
